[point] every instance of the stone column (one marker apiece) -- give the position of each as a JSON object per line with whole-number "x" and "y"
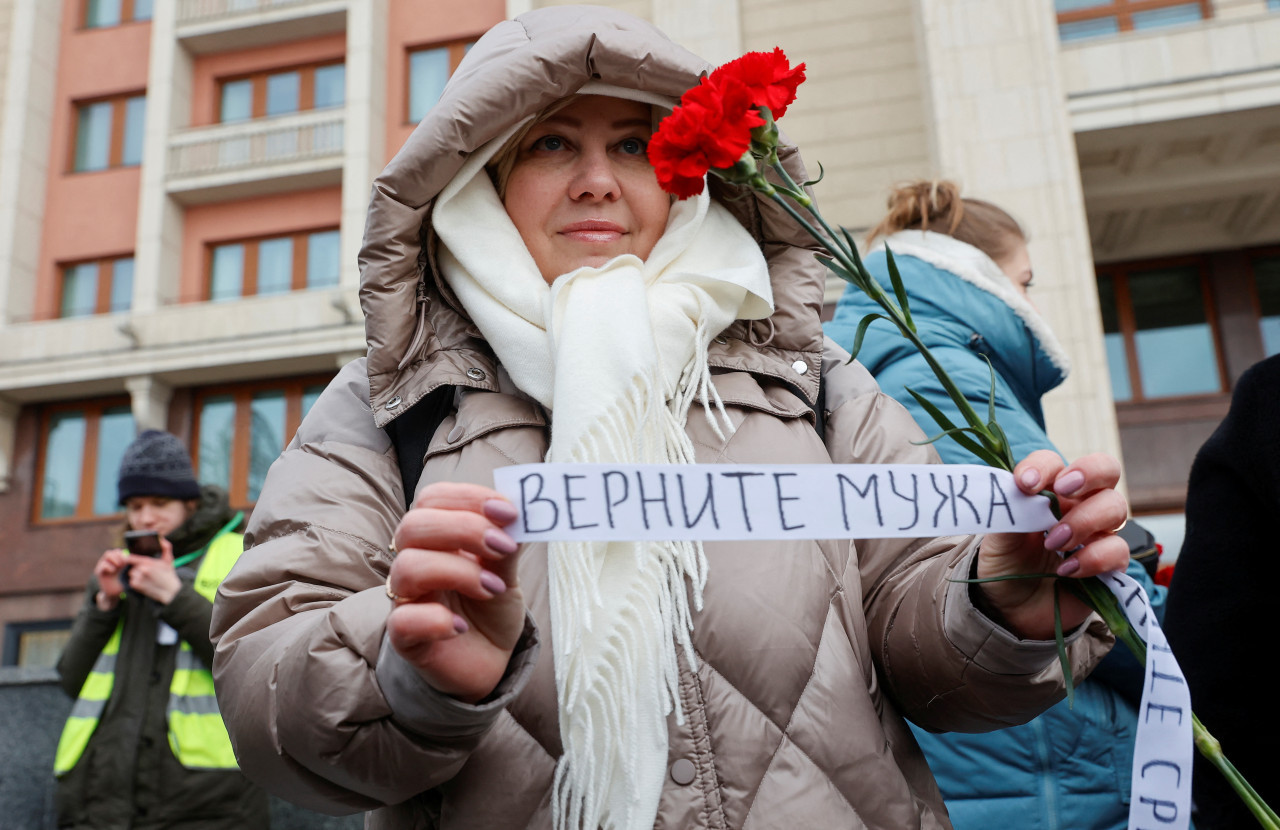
{"x": 8, "y": 434}
{"x": 26, "y": 123}
{"x": 999, "y": 126}
{"x": 149, "y": 398}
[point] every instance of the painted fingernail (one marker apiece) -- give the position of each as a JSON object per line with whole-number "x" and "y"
{"x": 1069, "y": 567}
{"x": 499, "y": 542}
{"x": 1069, "y": 483}
{"x": 1030, "y": 479}
{"x": 499, "y": 511}
{"x": 492, "y": 583}
{"x": 1057, "y": 537}
{"x": 460, "y": 625}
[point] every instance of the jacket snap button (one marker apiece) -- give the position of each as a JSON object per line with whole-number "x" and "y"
{"x": 683, "y": 772}
{"x": 455, "y": 434}
{"x": 393, "y": 403}
{"x": 801, "y": 367}
{"x": 475, "y": 374}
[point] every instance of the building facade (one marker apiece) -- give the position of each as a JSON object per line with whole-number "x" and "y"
{"x": 183, "y": 187}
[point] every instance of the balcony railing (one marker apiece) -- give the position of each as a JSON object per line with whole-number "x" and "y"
{"x": 204, "y": 11}
{"x": 257, "y": 146}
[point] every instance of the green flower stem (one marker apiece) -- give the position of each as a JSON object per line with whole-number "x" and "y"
{"x": 1091, "y": 590}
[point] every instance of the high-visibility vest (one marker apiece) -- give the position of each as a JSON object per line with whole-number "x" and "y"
{"x": 197, "y": 735}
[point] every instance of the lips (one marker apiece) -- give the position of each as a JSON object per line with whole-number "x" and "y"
{"x": 593, "y": 230}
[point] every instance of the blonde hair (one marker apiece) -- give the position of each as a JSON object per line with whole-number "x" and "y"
{"x": 936, "y": 205}
{"x": 504, "y": 161}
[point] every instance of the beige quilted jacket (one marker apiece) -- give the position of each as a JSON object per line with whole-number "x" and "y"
{"x": 809, "y": 653}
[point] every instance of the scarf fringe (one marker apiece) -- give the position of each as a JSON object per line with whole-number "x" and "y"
{"x": 637, "y": 638}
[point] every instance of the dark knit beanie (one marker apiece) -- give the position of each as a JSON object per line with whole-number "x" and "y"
{"x": 156, "y": 464}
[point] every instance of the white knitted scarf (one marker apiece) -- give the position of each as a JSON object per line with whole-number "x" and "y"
{"x": 619, "y": 353}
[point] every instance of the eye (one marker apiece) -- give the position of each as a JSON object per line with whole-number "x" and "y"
{"x": 633, "y": 146}
{"x": 550, "y": 143}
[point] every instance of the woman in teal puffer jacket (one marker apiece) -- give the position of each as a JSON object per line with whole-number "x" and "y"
{"x": 965, "y": 266}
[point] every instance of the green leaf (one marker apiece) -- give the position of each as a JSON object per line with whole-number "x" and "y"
{"x": 1062, "y": 646}
{"x": 944, "y": 434}
{"x": 941, "y": 419}
{"x": 821, "y": 174}
{"x": 899, "y": 290}
{"x": 863, "y": 325}
{"x": 840, "y": 271}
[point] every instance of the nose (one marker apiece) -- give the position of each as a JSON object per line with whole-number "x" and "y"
{"x": 594, "y": 179}
{"x": 147, "y": 518}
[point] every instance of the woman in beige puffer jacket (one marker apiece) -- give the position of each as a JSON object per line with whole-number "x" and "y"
{"x": 807, "y": 655}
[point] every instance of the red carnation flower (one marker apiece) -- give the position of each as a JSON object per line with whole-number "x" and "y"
{"x": 770, "y": 78}
{"x": 711, "y": 128}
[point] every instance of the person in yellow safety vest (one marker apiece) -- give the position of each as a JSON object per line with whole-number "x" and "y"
{"x": 144, "y": 746}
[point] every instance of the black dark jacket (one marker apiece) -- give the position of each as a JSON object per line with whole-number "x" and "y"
{"x": 1221, "y": 598}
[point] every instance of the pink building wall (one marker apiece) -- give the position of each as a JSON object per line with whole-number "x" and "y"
{"x": 413, "y": 24}
{"x": 88, "y": 215}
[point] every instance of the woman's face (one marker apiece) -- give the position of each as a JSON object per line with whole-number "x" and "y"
{"x": 582, "y": 191}
{"x": 159, "y": 513}
{"x": 1016, "y": 265}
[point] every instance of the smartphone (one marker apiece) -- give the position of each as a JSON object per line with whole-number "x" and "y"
{"x": 142, "y": 543}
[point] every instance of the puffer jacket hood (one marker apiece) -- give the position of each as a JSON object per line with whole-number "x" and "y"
{"x": 418, "y": 337}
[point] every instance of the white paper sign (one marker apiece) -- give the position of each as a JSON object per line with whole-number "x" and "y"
{"x": 612, "y": 502}
{"x": 1165, "y": 748}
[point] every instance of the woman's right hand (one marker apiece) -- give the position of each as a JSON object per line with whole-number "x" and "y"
{"x": 458, "y": 610}
{"x": 110, "y": 564}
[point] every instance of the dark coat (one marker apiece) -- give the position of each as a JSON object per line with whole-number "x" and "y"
{"x": 1219, "y": 602}
{"x": 127, "y": 776}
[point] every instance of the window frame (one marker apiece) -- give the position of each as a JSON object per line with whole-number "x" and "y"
{"x": 1119, "y": 274}
{"x": 258, "y": 85}
{"x": 127, "y": 15}
{"x": 92, "y": 410}
{"x": 102, "y": 304}
{"x": 249, "y": 267}
{"x": 119, "y": 121}
{"x": 457, "y": 51}
{"x": 15, "y": 630}
{"x": 1124, "y": 10}
{"x": 242, "y": 394}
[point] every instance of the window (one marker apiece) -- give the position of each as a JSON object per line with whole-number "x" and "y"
{"x": 1080, "y": 19}
{"x": 82, "y": 446}
{"x": 35, "y": 644}
{"x": 241, "y": 430}
{"x": 273, "y": 265}
{"x": 100, "y": 13}
{"x": 1159, "y": 339}
{"x": 96, "y": 287}
{"x": 109, "y": 133}
{"x": 429, "y": 70}
{"x": 265, "y": 94}
{"x": 1266, "y": 277}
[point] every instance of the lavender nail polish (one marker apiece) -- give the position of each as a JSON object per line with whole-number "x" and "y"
{"x": 1069, "y": 567}
{"x": 499, "y": 542}
{"x": 460, "y": 625}
{"x": 1069, "y": 483}
{"x": 499, "y": 511}
{"x": 1057, "y": 537}
{"x": 492, "y": 583}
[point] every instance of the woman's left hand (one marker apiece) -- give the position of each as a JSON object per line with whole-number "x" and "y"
{"x": 1092, "y": 511}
